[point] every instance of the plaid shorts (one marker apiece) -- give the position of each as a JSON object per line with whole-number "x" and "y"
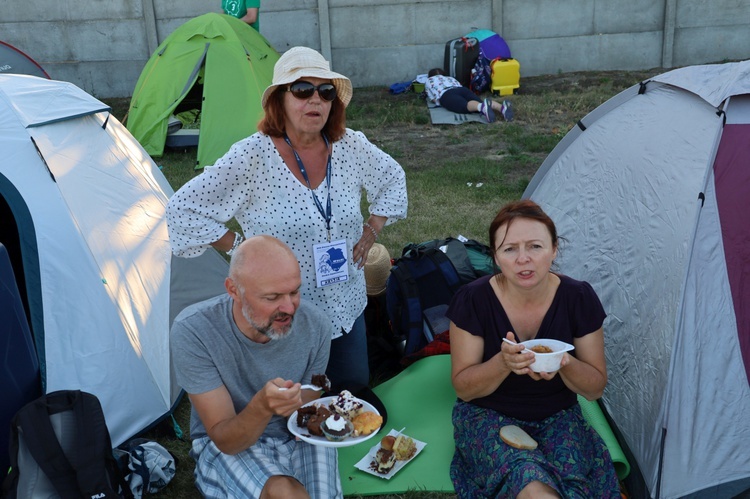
{"x": 219, "y": 475}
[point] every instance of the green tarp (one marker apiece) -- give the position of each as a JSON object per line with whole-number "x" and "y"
{"x": 233, "y": 62}
{"x": 421, "y": 399}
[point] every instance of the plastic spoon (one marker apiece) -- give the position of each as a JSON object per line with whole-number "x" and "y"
{"x": 506, "y": 340}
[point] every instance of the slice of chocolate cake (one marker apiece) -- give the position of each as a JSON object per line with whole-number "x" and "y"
{"x": 313, "y": 424}
{"x": 303, "y": 415}
{"x": 322, "y": 381}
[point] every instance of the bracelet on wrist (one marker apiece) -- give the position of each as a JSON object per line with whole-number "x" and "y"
{"x": 372, "y": 229}
{"x": 237, "y": 241}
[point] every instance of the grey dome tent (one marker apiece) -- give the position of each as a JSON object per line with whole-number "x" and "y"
{"x": 651, "y": 191}
{"x": 13, "y": 60}
{"x": 82, "y": 215}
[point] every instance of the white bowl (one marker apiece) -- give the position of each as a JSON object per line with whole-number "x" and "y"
{"x": 548, "y": 362}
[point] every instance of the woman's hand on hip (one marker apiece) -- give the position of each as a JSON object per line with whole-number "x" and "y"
{"x": 362, "y": 248}
{"x": 370, "y": 230}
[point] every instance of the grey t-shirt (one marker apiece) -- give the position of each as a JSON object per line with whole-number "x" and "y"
{"x": 208, "y": 351}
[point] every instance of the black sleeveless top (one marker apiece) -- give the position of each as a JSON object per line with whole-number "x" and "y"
{"x": 575, "y": 312}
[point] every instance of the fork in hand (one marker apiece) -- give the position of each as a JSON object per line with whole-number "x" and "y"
{"x": 304, "y": 387}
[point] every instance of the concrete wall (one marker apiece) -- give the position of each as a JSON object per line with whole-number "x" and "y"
{"x": 102, "y": 46}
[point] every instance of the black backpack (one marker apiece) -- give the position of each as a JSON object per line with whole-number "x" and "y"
{"x": 471, "y": 258}
{"x": 423, "y": 281}
{"x": 59, "y": 443}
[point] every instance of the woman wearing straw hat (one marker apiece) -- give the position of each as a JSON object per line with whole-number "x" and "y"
{"x": 300, "y": 179}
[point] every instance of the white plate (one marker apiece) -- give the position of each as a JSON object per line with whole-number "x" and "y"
{"x": 365, "y": 462}
{"x": 305, "y": 435}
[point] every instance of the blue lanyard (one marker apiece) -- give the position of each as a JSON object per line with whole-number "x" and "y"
{"x": 326, "y": 214}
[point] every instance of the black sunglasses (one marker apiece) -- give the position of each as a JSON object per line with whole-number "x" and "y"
{"x": 305, "y": 90}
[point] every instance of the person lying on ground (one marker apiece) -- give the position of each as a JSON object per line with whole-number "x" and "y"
{"x": 448, "y": 92}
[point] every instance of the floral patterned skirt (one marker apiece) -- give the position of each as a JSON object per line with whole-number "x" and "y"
{"x": 571, "y": 457}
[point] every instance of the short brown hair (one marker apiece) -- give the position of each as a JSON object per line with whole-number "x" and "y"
{"x": 524, "y": 208}
{"x": 273, "y": 122}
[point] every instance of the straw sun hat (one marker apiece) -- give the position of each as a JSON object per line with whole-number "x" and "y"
{"x": 298, "y": 62}
{"x": 377, "y": 269}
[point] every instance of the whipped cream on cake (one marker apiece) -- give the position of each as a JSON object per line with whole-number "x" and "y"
{"x": 336, "y": 428}
{"x": 336, "y": 423}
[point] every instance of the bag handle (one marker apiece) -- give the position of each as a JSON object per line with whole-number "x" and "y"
{"x": 466, "y": 43}
{"x": 33, "y": 420}
{"x": 493, "y": 61}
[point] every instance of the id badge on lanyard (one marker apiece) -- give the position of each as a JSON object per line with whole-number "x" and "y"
{"x": 331, "y": 263}
{"x": 331, "y": 257}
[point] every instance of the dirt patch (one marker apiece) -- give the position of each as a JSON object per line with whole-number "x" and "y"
{"x": 574, "y": 82}
{"x": 421, "y": 147}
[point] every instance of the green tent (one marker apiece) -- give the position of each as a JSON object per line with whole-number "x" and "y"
{"x": 215, "y": 63}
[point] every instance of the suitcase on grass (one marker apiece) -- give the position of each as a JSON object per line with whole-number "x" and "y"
{"x": 506, "y": 76}
{"x": 460, "y": 56}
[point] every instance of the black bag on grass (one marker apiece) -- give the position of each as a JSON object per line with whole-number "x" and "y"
{"x": 60, "y": 447}
{"x": 421, "y": 279}
{"x": 471, "y": 258}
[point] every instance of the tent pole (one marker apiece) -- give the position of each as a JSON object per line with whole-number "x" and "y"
{"x": 661, "y": 462}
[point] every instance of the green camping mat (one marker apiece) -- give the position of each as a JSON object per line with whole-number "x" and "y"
{"x": 594, "y": 415}
{"x": 420, "y": 399}
{"x": 441, "y": 116}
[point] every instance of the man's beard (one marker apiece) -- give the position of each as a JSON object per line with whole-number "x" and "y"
{"x": 267, "y": 329}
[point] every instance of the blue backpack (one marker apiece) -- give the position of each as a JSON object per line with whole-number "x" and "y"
{"x": 421, "y": 279}
{"x": 422, "y": 283}
{"x": 481, "y": 74}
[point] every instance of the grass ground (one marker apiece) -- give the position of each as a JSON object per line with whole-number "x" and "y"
{"x": 457, "y": 176}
